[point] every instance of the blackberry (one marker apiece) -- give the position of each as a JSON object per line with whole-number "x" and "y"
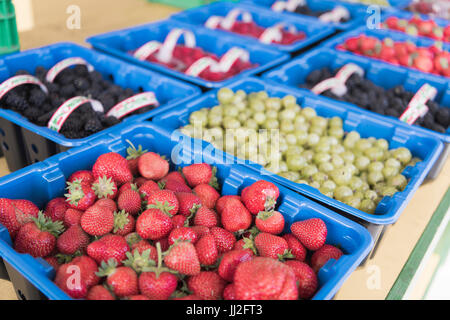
{"x": 40, "y": 72}
{"x": 107, "y": 101}
{"x": 67, "y": 90}
{"x": 52, "y": 87}
{"x": 32, "y": 114}
{"x": 93, "y": 125}
{"x": 81, "y": 70}
{"x": 45, "y": 118}
{"x": 16, "y": 102}
{"x": 81, "y": 84}
{"x": 443, "y": 117}
{"x": 37, "y": 97}
{"x": 95, "y": 76}
{"x": 110, "y": 121}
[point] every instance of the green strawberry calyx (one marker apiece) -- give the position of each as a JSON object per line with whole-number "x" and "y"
{"x": 132, "y": 152}
{"x": 120, "y": 220}
{"x": 214, "y": 182}
{"x": 139, "y": 262}
{"x": 46, "y": 224}
{"x": 287, "y": 254}
{"x": 107, "y": 268}
{"x": 164, "y": 207}
{"x": 159, "y": 268}
{"x": 104, "y": 187}
{"x": 75, "y": 193}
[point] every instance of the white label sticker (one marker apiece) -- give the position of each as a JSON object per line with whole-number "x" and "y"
{"x": 417, "y": 106}
{"x": 63, "y": 64}
{"x": 200, "y": 65}
{"x": 147, "y": 50}
{"x": 229, "y": 58}
{"x": 335, "y": 15}
{"x": 291, "y": 5}
{"x": 132, "y": 104}
{"x": 278, "y": 6}
{"x": 165, "y": 54}
{"x": 230, "y": 19}
{"x": 325, "y": 85}
{"x": 346, "y": 72}
{"x": 16, "y": 81}
{"x": 213, "y": 22}
{"x": 63, "y": 112}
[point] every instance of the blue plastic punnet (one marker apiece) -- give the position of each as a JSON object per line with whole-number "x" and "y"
{"x": 314, "y": 30}
{"x": 120, "y": 43}
{"x": 24, "y": 142}
{"x": 46, "y": 180}
{"x": 368, "y": 124}
{"x": 358, "y": 12}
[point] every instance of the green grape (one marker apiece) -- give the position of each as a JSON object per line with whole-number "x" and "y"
{"x": 242, "y": 117}
{"x": 299, "y": 121}
{"x": 329, "y": 184}
{"x": 251, "y": 124}
{"x": 388, "y": 191}
{"x": 231, "y": 123}
{"x": 241, "y": 106}
{"x": 347, "y": 156}
{"x": 287, "y": 126}
{"x": 296, "y": 162}
{"x": 362, "y": 145}
{"x": 273, "y": 103}
{"x": 342, "y": 192}
{"x": 216, "y": 110}
{"x": 259, "y": 117}
{"x": 322, "y": 146}
{"x": 321, "y": 157}
{"x": 231, "y": 111}
{"x": 283, "y": 166}
{"x": 225, "y": 95}
{"x": 257, "y": 105}
{"x": 302, "y": 137}
{"x": 335, "y": 122}
{"x": 337, "y": 149}
{"x": 402, "y": 154}
{"x": 317, "y": 130}
{"x": 382, "y": 144}
{"x": 374, "y": 154}
{"x": 341, "y": 176}
{"x": 375, "y": 177}
{"x": 392, "y": 162}
{"x": 308, "y": 154}
{"x": 263, "y": 95}
{"x": 308, "y": 113}
{"x": 312, "y": 139}
{"x": 292, "y": 176}
{"x": 336, "y": 132}
{"x": 271, "y": 124}
{"x": 398, "y": 181}
{"x": 291, "y": 139}
{"x": 362, "y": 163}
{"x": 308, "y": 171}
{"x": 355, "y": 183}
{"x": 198, "y": 117}
{"x": 272, "y": 114}
{"x": 287, "y": 114}
{"x": 352, "y": 201}
{"x": 240, "y": 95}
{"x": 214, "y": 120}
{"x": 358, "y": 194}
{"x": 376, "y": 166}
{"x": 315, "y": 184}
{"x": 288, "y": 101}
{"x": 351, "y": 139}
{"x": 187, "y": 130}
{"x": 319, "y": 121}
{"x": 326, "y": 167}
{"x": 367, "y": 206}
{"x": 371, "y": 195}
{"x": 294, "y": 150}
{"x": 326, "y": 191}
{"x": 319, "y": 177}
{"x": 389, "y": 172}
{"x": 414, "y": 161}
{"x": 337, "y": 161}
{"x": 352, "y": 168}
{"x": 365, "y": 186}
{"x": 378, "y": 188}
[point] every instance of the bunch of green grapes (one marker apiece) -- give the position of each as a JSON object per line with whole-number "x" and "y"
{"x": 303, "y": 147}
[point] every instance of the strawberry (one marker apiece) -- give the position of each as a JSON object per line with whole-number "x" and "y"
{"x": 53, "y": 261}
{"x": 138, "y": 297}
{"x": 84, "y": 176}
{"x": 164, "y": 242}
{"x": 264, "y": 279}
{"x": 230, "y": 261}
{"x": 72, "y": 240}
{"x": 107, "y": 203}
{"x": 128, "y": 186}
{"x": 220, "y": 203}
{"x": 72, "y": 217}
{"x": 175, "y": 186}
{"x": 207, "y": 250}
{"x": 188, "y": 203}
{"x": 148, "y": 188}
{"x": 38, "y": 237}
{"x": 312, "y": 233}
{"x": 306, "y": 278}
{"x": 105, "y": 187}
{"x": 352, "y": 44}
{"x": 153, "y": 224}
{"x": 132, "y": 238}
{"x": 130, "y": 202}
{"x": 224, "y": 239}
{"x": 235, "y": 217}
{"x": 207, "y": 285}
{"x": 99, "y": 292}
{"x": 97, "y": 220}
{"x": 164, "y": 200}
{"x": 391, "y": 22}
{"x": 295, "y": 246}
{"x": 152, "y": 166}
{"x": 179, "y": 221}
{"x": 174, "y": 175}
{"x": 207, "y": 194}
{"x": 200, "y": 173}
{"x": 108, "y": 247}
{"x": 80, "y": 196}
{"x": 76, "y": 277}
{"x": 123, "y": 281}
{"x": 270, "y": 222}
{"x": 25, "y": 209}
{"x": 133, "y": 155}
{"x": 9, "y": 216}
{"x": 228, "y": 292}
{"x": 325, "y": 253}
{"x": 158, "y": 287}
{"x": 182, "y": 233}
{"x": 201, "y": 231}
{"x": 123, "y": 223}
{"x": 112, "y": 165}
{"x": 56, "y": 208}
{"x": 205, "y": 217}
{"x": 144, "y": 245}
{"x": 260, "y": 196}
{"x": 183, "y": 258}
{"x": 269, "y": 245}
{"x": 144, "y": 256}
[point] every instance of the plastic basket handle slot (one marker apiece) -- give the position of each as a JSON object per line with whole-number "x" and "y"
{"x": 274, "y": 33}
{"x": 165, "y": 53}
{"x": 19, "y": 80}
{"x": 63, "y": 112}
{"x": 63, "y": 64}
{"x": 132, "y": 104}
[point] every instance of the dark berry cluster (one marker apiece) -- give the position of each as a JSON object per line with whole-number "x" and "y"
{"x": 38, "y": 107}
{"x": 305, "y": 10}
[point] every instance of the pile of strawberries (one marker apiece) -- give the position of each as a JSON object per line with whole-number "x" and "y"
{"x": 130, "y": 229}
{"x": 251, "y": 29}
{"x": 184, "y": 57}
{"x": 432, "y": 59}
{"x": 417, "y": 26}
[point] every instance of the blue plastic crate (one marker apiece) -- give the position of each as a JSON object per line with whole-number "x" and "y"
{"x": 118, "y": 43}
{"x": 24, "y": 142}
{"x": 367, "y": 124}
{"x": 47, "y": 180}
{"x": 394, "y": 4}
{"x": 314, "y": 30}
{"x": 294, "y": 73}
{"x": 408, "y": 15}
{"x": 358, "y": 12}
